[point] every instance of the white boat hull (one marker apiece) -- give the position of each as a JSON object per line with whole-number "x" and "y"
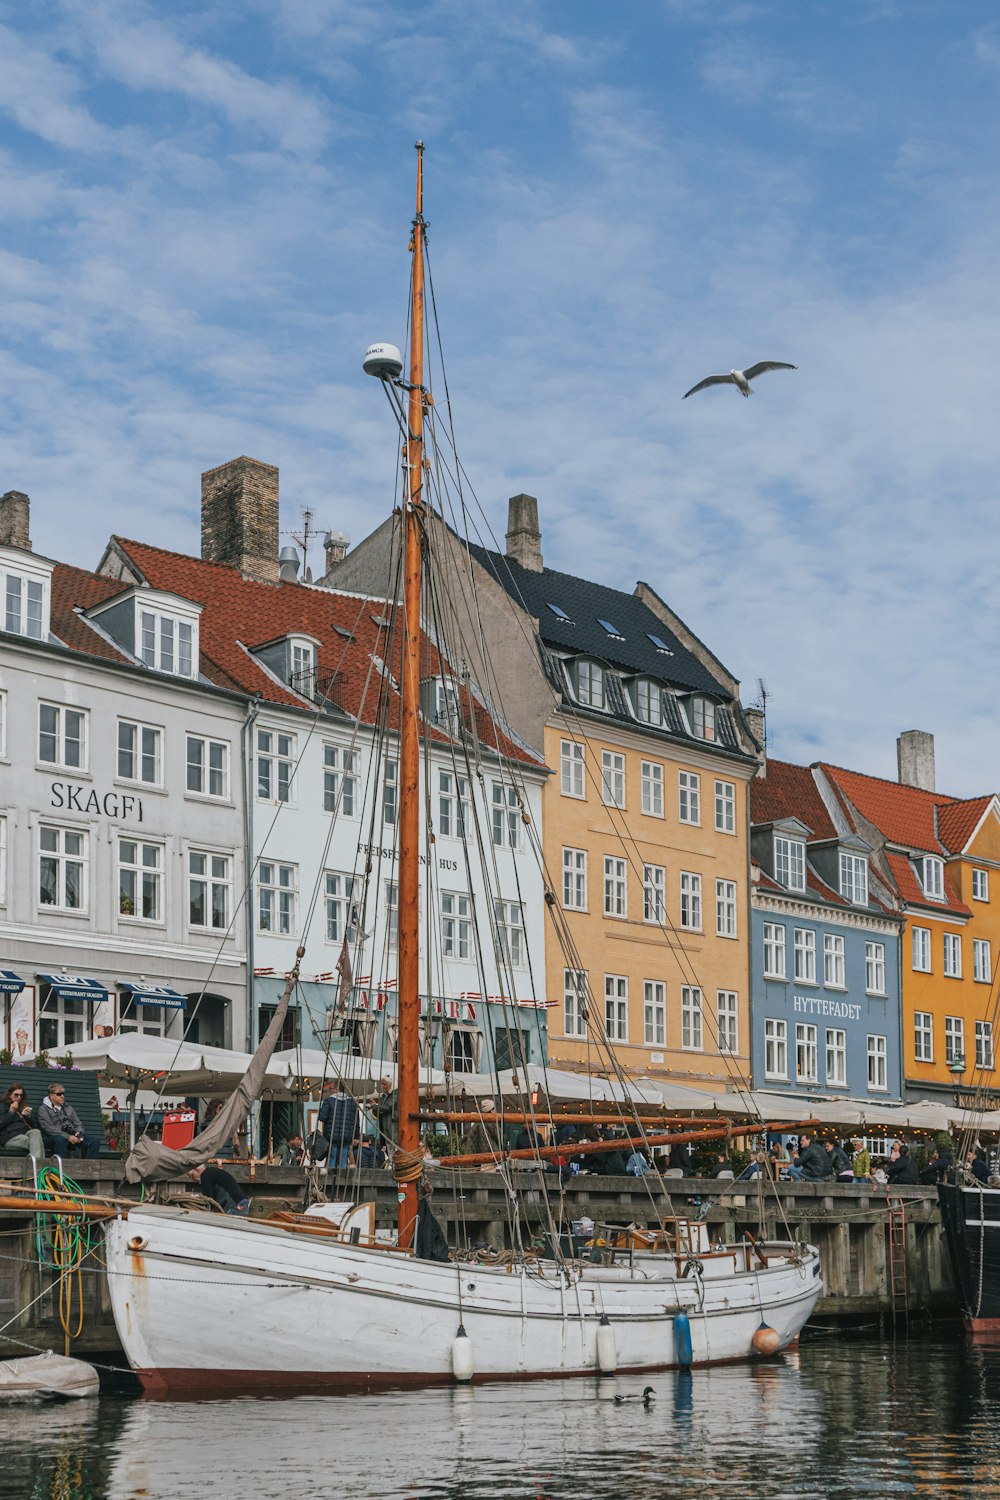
{"x": 207, "y": 1304}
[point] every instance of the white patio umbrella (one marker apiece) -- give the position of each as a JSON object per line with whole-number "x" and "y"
{"x": 310, "y": 1067}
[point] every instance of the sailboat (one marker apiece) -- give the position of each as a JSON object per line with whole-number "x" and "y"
{"x": 213, "y": 1304}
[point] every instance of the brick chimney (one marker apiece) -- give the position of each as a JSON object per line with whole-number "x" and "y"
{"x": 915, "y": 759}
{"x": 757, "y": 725}
{"x": 524, "y": 540}
{"x": 15, "y": 511}
{"x": 239, "y": 517}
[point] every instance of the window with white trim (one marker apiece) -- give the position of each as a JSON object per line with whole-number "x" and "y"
{"x": 774, "y": 951}
{"x": 690, "y": 901}
{"x": 923, "y": 1036}
{"x": 612, "y": 778}
{"x": 3, "y": 723}
{"x": 392, "y": 914}
{"x": 509, "y": 920}
{"x": 454, "y": 807}
{"x": 804, "y": 945}
{"x": 654, "y": 889}
{"x": 574, "y": 866}
{"x": 63, "y": 855}
{"x": 62, "y": 1021}
{"x": 875, "y": 968}
{"x": 689, "y": 797}
{"x": 616, "y": 1007}
{"x": 692, "y": 1033}
{"x": 390, "y": 791}
{"x": 140, "y": 880}
{"x": 725, "y": 807}
{"x": 275, "y": 765}
{"x": 25, "y": 605}
{"x": 952, "y": 955}
{"x": 648, "y": 701}
{"x": 806, "y": 1053}
{"x": 447, "y": 710}
{"x": 652, "y": 788}
{"x": 980, "y": 885}
{"x": 654, "y": 1013}
{"x": 506, "y": 821}
{"x": 276, "y": 891}
{"x": 338, "y": 896}
{"x": 854, "y": 878}
{"x": 340, "y": 780}
{"x": 575, "y": 1002}
{"x": 878, "y": 1063}
{"x": 572, "y": 778}
{"x": 165, "y": 642}
{"x": 143, "y": 1020}
{"x": 775, "y": 1048}
{"x": 982, "y": 962}
{"x": 589, "y": 684}
{"x": 725, "y": 908}
{"x": 3, "y": 861}
{"x": 456, "y": 924}
{"x": 615, "y": 887}
{"x": 790, "y": 862}
{"x": 207, "y": 766}
{"x": 984, "y": 1044}
{"x": 954, "y": 1039}
{"x": 727, "y": 1016}
{"x": 303, "y": 667}
{"x": 62, "y": 736}
{"x": 140, "y": 752}
{"x": 932, "y": 877}
{"x": 922, "y": 950}
{"x": 702, "y": 718}
{"x": 836, "y": 1058}
{"x": 834, "y": 961}
{"x": 210, "y": 882}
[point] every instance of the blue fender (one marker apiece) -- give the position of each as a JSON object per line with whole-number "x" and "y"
{"x": 682, "y": 1339}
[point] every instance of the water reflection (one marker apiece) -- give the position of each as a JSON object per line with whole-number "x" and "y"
{"x": 842, "y": 1418}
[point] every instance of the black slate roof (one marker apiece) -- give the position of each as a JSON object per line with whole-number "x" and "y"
{"x": 586, "y": 604}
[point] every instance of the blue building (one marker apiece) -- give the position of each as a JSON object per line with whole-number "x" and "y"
{"x": 825, "y": 990}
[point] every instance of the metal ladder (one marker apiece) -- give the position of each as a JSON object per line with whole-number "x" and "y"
{"x": 898, "y": 1285}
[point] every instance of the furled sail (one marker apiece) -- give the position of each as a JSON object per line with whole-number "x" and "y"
{"x": 150, "y": 1161}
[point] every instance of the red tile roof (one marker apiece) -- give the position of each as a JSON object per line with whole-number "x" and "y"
{"x": 958, "y": 821}
{"x": 789, "y": 791}
{"x": 72, "y": 590}
{"x": 907, "y": 815}
{"x": 911, "y": 892}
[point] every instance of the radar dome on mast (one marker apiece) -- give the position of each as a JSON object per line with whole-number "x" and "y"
{"x": 384, "y": 361}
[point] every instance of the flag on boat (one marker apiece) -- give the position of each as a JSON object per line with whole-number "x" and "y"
{"x": 346, "y": 977}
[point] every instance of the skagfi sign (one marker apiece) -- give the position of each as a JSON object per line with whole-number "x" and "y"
{"x": 72, "y": 798}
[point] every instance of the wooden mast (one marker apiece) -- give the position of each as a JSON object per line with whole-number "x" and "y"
{"x": 409, "y": 750}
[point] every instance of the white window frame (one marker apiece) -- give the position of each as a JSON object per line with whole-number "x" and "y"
{"x": 392, "y": 915}
{"x": 141, "y": 879}
{"x": 703, "y": 712}
{"x": 932, "y": 877}
{"x": 390, "y": 791}
{"x": 875, "y": 968}
{"x": 136, "y": 1019}
{"x": 652, "y": 788}
{"x": 338, "y": 896}
{"x": 572, "y": 770}
{"x": 454, "y": 806}
{"x": 212, "y": 872}
{"x": 980, "y": 880}
{"x": 616, "y": 1007}
{"x": 166, "y": 642}
{"x": 775, "y": 1047}
{"x": 836, "y": 1057}
{"x": 575, "y": 1007}
{"x": 456, "y": 924}
{"x": 984, "y": 1046}
{"x": 789, "y": 862}
{"x": 206, "y": 771}
{"x": 804, "y": 955}
{"x": 615, "y": 886}
{"x": 952, "y": 965}
{"x": 505, "y": 820}
{"x": 689, "y": 798}
{"x": 26, "y": 607}
{"x": 806, "y": 1052}
{"x": 923, "y": 1036}
{"x": 277, "y": 897}
{"x": 341, "y": 769}
{"x": 574, "y": 866}
{"x": 654, "y": 894}
{"x": 725, "y": 908}
{"x": 954, "y": 1039}
{"x": 588, "y": 677}
{"x": 508, "y": 917}
{"x": 691, "y": 912}
{"x": 654, "y": 1013}
{"x": 70, "y": 727}
{"x": 834, "y": 961}
{"x": 878, "y": 1064}
{"x": 302, "y": 666}
{"x": 139, "y": 750}
{"x": 62, "y": 859}
{"x": 3, "y": 859}
{"x": 613, "y": 778}
{"x": 775, "y": 951}
{"x": 727, "y": 1015}
{"x": 648, "y": 701}
{"x": 920, "y": 938}
{"x": 982, "y": 961}
{"x": 854, "y": 878}
{"x": 692, "y": 1019}
{"x": 68, "y": 1016}
{"x": 3, "y": 724}
{"x": 274, "y": 765}
{"x": 725, "y": 807}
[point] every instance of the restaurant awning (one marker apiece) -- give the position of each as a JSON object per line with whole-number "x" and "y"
{"x": 75, "y": 987}
{"x": 10, "y": 983}
{"x": 152, "y": 994}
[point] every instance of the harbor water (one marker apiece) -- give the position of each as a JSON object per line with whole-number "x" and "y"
{"x": 844, "y": 1416}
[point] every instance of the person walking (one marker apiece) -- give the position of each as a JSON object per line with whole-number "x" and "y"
{"x": 17, "y": 1133}
{"x": 62, "y": 1127}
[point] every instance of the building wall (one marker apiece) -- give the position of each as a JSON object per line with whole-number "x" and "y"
{"x": 629, "y": 946}
{"x": 851, "y": 1009}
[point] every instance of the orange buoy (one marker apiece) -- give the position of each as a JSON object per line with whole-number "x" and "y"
{"x": 766, "y": 1340}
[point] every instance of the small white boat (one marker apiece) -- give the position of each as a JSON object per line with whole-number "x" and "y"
{"x": 47, "y": 1377}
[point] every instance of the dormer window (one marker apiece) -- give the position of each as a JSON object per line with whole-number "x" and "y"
{"x": 24, "y": 591}
{"x": 648, "y": 700}
{"x": 790, "y": 863}
{"x": 589, "y": 684}
{"x": 443, "y": 705}
{"x": 303, "y": 666}
{"x": 159, "y": 629}
{"x": 932, "y": 877}
{"x": 166, "y": 643}
{"x": 702, "y": 718}
{"x": 854, "y": 879}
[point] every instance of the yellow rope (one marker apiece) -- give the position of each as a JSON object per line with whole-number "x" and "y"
{"x": 407, "y": 1166}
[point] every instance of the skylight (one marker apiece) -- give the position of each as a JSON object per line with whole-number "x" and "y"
{"x": 611, "y": 629}
{"x": 658, "y": 642}
{"x": 560, "y": 614}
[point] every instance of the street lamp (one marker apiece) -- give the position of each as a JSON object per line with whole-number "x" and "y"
{"x": 957, "y": 1068}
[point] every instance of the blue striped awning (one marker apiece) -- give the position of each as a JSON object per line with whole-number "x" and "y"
{"x": 76, "y": 987}
{"x": 153, "y": 994}
{"x": 10, "y": 983}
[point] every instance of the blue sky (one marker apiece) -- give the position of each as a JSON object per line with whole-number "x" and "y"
{"x": 205, "y": 214}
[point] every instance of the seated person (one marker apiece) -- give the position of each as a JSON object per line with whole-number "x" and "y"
{"x": 222, "y": 1188}
{"x": 637, "y": 1164}
{"x": 903, "y": 1169}
{"x": 17, "y": 1130}
{"x": 812, "y": 1164}
{"x": 978, "y": 1165}
{"x": 291, "y": 1151}
{"x": 680, "y": 1159}
{"x": 62, "y": 1127}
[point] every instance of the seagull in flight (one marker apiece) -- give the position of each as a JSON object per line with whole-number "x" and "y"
{"x": 739, "y": 378}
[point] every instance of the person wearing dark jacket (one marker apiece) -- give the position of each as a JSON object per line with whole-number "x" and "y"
{"x": 680, "y": 1159}
{"x": 840, "y": 1161}
{"x": 812, "y": 1163}
{"x": 903, "y": 1169}
{"x": 978, "y": 1166}
{"x": 17, "y": 1132}
{"x": 222, "y": 1188}
{"x": 339, "y": 1124}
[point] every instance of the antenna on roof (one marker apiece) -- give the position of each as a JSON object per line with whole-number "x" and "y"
{"x": 304, "y": 536}
{"x": 757, "y": 714}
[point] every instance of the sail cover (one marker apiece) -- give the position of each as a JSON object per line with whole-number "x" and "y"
{"x": 152, "y": 1162}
